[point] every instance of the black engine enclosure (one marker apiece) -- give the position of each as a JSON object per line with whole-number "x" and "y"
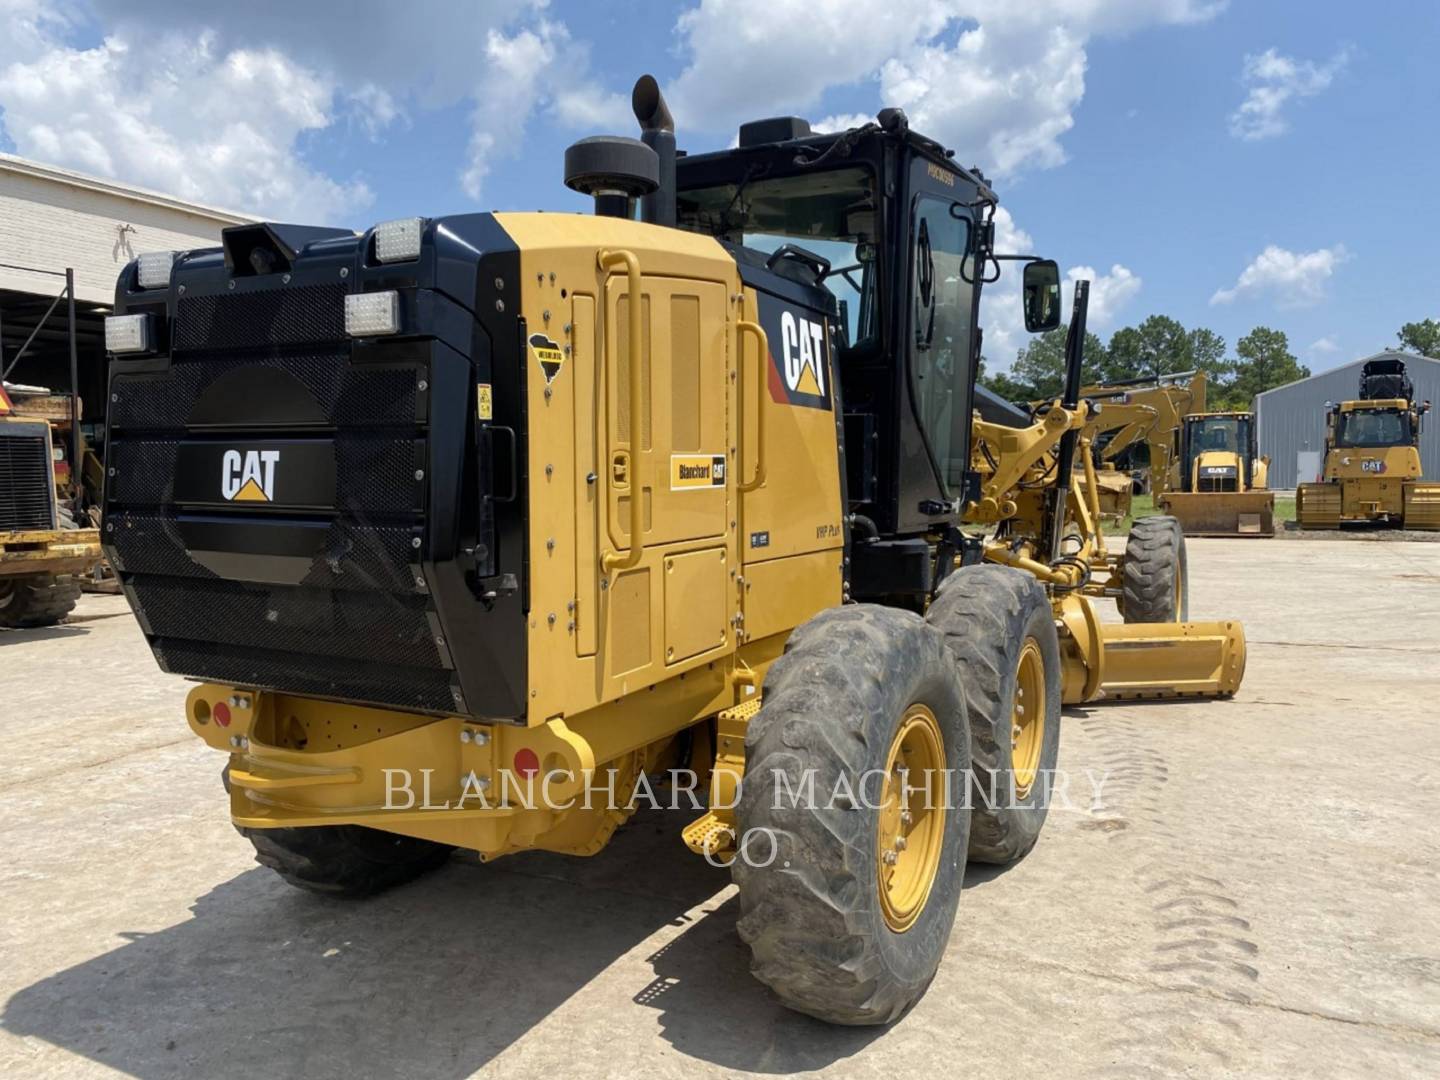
{"x": 288, "y": 507}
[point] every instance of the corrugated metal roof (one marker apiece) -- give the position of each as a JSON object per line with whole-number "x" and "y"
{"x": 1408, "y": 357}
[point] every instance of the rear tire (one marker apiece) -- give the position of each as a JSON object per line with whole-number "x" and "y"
{"x": 846, "y": 922}
{"x": 1000, "y": 630}
{"x": 345, "y": 860}
{"x": 38, "y": 600}
{"x": 1155, "y": 582}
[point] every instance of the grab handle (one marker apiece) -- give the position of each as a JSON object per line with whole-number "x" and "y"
{"x": 610, "y": 260}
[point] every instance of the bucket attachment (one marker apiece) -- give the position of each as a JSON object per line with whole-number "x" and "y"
{"x": 1317, "y": 506}
{"x": 1422, "y": 506}
{"x": 1234, "y": 513}
{"x": 1172, "y": 660}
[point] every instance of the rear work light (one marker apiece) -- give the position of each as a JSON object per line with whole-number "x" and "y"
{"x": 127, "y": 333}
{"x": 398, "y": 240}
{"x": 372, "y": 313}
{"x": 154, "y": 269}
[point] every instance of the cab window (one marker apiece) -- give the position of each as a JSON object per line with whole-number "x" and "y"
{"x": 1374, "y": 427}
{"x": 829, "y": 213}
{"x": 941, "y": 316}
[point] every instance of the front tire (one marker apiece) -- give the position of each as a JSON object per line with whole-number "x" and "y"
{"x": 1000, "y": 630}
{"x": 1155, "y": 581}
{"x": 849, "y": 919}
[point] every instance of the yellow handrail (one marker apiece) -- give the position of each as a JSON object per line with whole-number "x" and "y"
{"x": 743, "y": 327}
{"x": 609, "y": 260}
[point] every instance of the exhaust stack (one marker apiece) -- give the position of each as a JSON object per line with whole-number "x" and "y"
{"x": 657, "y": 131}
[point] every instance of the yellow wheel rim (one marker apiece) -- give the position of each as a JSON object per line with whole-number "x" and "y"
{"x": 1027, "y": 721}
{"x": 1179, "y": 594}
{"x": 911, "y": 828}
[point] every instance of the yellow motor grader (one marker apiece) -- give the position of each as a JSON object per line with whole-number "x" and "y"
{"x": 468, "y": 526}
{"x": 1372, "y": 458}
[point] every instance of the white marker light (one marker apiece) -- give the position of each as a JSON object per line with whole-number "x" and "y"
{"x": 154, "y": 269}
{"x": 372, "y": 313}
{"x": 398, "y": 240}
{"x": 127, "y": 333}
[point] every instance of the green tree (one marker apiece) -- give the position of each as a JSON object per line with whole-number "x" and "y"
{"x": 1039, "y": 369}
{"x": 1421, "y": 337}
{"x": 1264, "y": 361}
{"x": 1158, "y": 346}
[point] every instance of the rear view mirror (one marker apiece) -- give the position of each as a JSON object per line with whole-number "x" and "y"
{"x": 1041, "y": 296}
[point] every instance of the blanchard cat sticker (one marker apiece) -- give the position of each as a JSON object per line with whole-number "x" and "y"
{"x": 695, "y": 472}
{"x": 548, "y": 355}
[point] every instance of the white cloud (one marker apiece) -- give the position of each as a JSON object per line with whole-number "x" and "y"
{"x": 996, "y": 80}
{"x": 533, "y": 69}
{"x": 1276, "y": 81}
{"x": 839, "y": 122}
{"x": 1109, "y": 293}
{"x": 1293, "y": 279}
{"x": 1001, "y": 314}
{"x": 180, "y": 115}
{"x": 1324, "y": 346}
{"x": 213, "y": 102}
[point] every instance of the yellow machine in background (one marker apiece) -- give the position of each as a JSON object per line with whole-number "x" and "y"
{"x": 1372, "y": 458}
{"x": 1144, "y": 412}
{"x": 1221, "y": 486}
{"x": 42, "y": 551}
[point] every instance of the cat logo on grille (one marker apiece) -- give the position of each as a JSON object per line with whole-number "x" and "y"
{"x": 549, "y": 356}
{"x": 248, "y": 477}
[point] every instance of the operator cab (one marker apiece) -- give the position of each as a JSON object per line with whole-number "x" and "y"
{"x": 1229, "y": 437}
{"x": 884, "y": 231}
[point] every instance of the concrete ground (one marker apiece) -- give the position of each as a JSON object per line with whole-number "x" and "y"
{"x": 1258, "y": 895}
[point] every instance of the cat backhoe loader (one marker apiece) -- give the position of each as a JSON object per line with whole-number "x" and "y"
{"x": 468, "y": 526}
{"x": 1223, "y": 480}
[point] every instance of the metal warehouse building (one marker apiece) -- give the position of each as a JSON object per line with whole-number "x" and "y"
{"x": 1290, "y": 419}
{"x": 64, "y": 238}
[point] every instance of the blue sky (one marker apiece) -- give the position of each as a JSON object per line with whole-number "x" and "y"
{"x": 1116, "y": 131}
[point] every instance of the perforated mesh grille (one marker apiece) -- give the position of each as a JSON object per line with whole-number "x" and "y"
{"x": 353, "y": 625}
{"x": 301, "y": 315}
{"x": 353, "y": 556}
{"x": 347, "y": 396}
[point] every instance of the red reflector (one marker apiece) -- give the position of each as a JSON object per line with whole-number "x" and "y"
{"x": 221, "y": 714}
{"x": 527, "y": 764}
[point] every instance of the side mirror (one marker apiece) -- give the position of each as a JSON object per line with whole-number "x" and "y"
{"x": 1041, "y": 296}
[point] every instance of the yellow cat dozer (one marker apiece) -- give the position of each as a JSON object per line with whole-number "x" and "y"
{"x": 471, "y": 529}
{"x": 1372, "y": 459}
{"x": 1220, "y": 485}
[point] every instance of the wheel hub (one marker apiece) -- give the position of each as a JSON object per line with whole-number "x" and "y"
{"x": 1027, "y": 725}
{"x": 911, "y": 826}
